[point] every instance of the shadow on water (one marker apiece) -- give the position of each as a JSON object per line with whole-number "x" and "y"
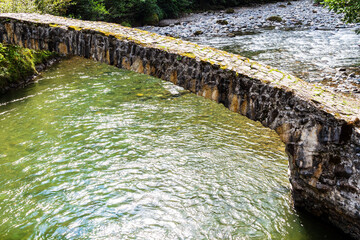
{"x": 327, "y": 231}
{"x": 18, "y": 94}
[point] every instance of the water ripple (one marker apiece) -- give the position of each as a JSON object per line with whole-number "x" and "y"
{"x": 94, "y": 152}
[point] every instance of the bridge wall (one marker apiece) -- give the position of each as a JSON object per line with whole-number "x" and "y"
{"x": 323, "y": 143}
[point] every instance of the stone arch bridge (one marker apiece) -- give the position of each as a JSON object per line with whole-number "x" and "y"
{"x": 321, "y": 130}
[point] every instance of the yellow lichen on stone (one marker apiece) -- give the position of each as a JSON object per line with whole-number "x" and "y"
{"x": 104, "y": 33}
{"x": 74, "y": 28}
{"x": 223, "y": 67}
{"x": 188, "y": 54}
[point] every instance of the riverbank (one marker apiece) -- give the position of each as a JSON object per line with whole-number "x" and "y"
{"x": 292, "y": 15}
{"x": 299, "y": 37}
{"x": 19, "y": 66}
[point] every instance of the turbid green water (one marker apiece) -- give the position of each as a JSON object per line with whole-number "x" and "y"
{"x": 93, "y": 152}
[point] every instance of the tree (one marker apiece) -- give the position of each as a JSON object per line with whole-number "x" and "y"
{"x": 135, "y": 11}
{"x": 173, "y": 8}
{"x": 18, "y": 6}
{"x": 88, "y": 9}
{"x": 350, "y": 8}
{"x": 57, "y": 7}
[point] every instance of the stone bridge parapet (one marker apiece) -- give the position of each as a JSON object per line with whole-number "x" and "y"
{"x": 321, "y": 130}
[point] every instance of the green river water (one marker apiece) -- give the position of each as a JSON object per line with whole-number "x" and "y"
{"x": 94, "y": 152}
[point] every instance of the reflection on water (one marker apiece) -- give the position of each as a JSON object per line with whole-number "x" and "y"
{"x": 93, "y": 152}
{"x": 305, "y": 53}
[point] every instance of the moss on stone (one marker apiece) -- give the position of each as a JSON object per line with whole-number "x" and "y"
{"x": 189, "y": 54}
{"x": 229, "y": 11}
{"x": 152, "y": 19}
{"x": 222, "y": 22}
{"x": 17, "y": 63}
{"x": 274, "y": 19}
{"x": 197, "y": 33}
{"x": 53, "y": 25}
{"x": 74, "y": 28}
{"x": 104, "y": 33}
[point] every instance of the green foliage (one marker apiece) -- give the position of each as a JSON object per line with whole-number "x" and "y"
{"x": 125, "y": 24}
{"x": 138, "y": 12}
{"x": 135, "y": 11}
{"x": 57, "y": 7}
{"x": 351, "y": 9}
{"x": 18, "y": 63}
{"x": 152, "y": 19}
{"x": 173, "y": 8}
{"x": 17, "y": 6}
{"x": 132, "y": 12}
{"x": 88, "y": 9}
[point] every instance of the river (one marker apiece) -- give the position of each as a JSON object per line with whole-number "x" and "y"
{"x": 309, "y": 54}
{"x": 94, "y": 152}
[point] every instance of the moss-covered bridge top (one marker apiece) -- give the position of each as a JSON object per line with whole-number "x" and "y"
{"x": 339, "y": 105}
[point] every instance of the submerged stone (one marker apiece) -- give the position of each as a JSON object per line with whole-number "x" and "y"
{"x": 222, "y": 22}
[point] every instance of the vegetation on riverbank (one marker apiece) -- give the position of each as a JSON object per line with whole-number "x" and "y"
{"x": 56, "y": 7}
{"x": 134, "y": 12}
{"x": 139, "y": 12}
{"x": 17, "y": 63}
{"x": 350, "y": 9}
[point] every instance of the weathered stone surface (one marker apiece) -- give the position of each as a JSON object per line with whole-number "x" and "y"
{"x": 321, "y": 129}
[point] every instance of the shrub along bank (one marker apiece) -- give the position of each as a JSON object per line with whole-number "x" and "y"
{"x": 139, "y": 12}
{"x": 17, "y": 64}
{"x": 126, "y": 12}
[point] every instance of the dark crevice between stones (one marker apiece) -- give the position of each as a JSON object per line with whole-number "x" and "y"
{"x": 346, "y": 131}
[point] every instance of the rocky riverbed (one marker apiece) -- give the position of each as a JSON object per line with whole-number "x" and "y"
{"x": 249, "y": 24}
